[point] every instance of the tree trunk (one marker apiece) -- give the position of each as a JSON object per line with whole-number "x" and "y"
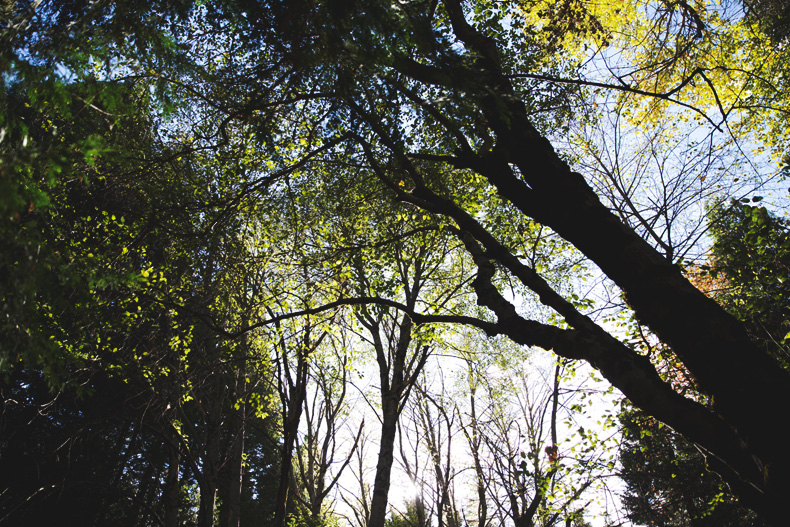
{"x": 381, "y": 486}
{"x": 208, "y": 495}
{"x": 293, "y": 414}
{"x": 286, "y": 455}
{"x": 209, "y": 479}
{"x": 172, "y": 488}
{"x": 232, "y": 469}
{"x": 475, "y": 442}
{"x": 744, "y": 383}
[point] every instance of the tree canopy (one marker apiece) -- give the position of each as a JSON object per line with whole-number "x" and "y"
{"x": 201, "y": 200}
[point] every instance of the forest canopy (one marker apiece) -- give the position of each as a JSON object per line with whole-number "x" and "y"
{"x": 246, "y": 242}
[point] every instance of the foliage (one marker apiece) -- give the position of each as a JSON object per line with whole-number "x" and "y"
{"x": 668, "y": 483}
{"x": 751, "y": 257}
{"x": 773, "y": 15}
{"x": 192, "y": 192}
{"x": 409, "y": 518}
{"x": 105, "y": 300}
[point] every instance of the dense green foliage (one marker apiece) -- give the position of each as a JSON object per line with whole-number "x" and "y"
{"x": 750, "y": 258}
{"x": 667, "y": 481}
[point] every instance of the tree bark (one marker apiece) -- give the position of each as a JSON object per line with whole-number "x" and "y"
{"x": 290, "y": 429}
{"x": 172, "y": 484}
{"x": 232, "y": 468}
{"x": 381, "y": 486}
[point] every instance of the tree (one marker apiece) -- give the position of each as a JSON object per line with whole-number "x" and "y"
{"x": 525, "y": 170}
{"x": 533, "y": 473}
{"x": 774, "y": 15}
{"x": 325, "y": 414}
{"x": 437, "y": 422}
{"x": 115, "y": 318}
{"x": 449, "y": 108}
{"x": 292, "y": 379}
{"x": 358, "y": 499}
{"x": 409, "y": 518}
{"x": 667, "y": 478}
{"x": 400, "y": 358}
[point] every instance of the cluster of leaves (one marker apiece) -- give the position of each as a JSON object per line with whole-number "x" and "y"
{"x": 107, "y": 288}
{"x": 668, "y": 483}
{"x": 751, "y": 257}
{"x": 774, "y": 15}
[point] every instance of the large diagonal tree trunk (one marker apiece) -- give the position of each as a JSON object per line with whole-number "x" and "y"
{"x": 744, "y": 383}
